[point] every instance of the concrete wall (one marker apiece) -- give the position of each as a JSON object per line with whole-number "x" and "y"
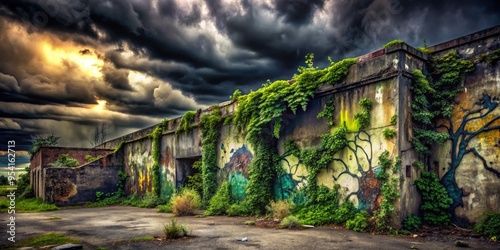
{"x": 46, "y": 155}
{"x": 471, "y": 172}
{"x": 77, "y": 186}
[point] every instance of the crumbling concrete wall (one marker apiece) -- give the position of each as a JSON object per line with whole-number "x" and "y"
{"x": 46, "y": 155}
{"x": 79, "y": 185}
{"x": 469, "y": 164}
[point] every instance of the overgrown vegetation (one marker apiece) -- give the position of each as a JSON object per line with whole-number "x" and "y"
{"x": 45, "y": 240}
{"x": 389, "y": 133}
{"x": 290, "y": 222}
{"x": 323, "y": 208}
{"x": 186, "y": 202}
{"x": 328, "y": 112}
{"x": 23, "y": 185}
{"x": 393, "y": 42}
{"x": 156, "y": 145}
{"x": 195, "y": 180}
{"x": 185, "y": 124}
{"x": 435, "y": 200}
{"x": 173, "y": 230}
{"x": 27, "y": 205}
{"x": 394, "y": 120}
{"x": 279, "y": 209}
{"x": 237, "y": 93}
{"x": 489, "y": 225}
{"x": 412, "y": 223}
{"x": 210, "y": 130}
{"x": 114, "y": 198}
{"x": 220, "y": 202}
{"x": 90, "y": 158}
{"x": 433, "y": 98}
{"x": 490, "y": 58}
{"x": 66, "y": 161}
{"x": 41, "y": 141}
{"x": 360, "y": 222}
{"x": 390, "y": 192}
{"x": 259, "y": 116}
{"x": 363, "y": 118}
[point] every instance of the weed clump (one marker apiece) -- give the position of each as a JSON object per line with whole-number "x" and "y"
{"x": 186, "y": 202}
{"x": 279, "y": 209}
{"x": 173, "y": 230}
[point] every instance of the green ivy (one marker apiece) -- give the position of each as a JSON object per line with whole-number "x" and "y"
{"x": 185, "y": 124}
{"x": 237, "y": 93}
{"x": 390, "y": 191}
{"x": 412, "y": 223}
{"x": 195, "y": 180}
{"x": 394, "y": 120}
{"x": 156, "y": 154}
{"x": 210, "y": 130}
{"x": 119, "y": 147}
{"x": 433, "y": 97}
{"x": 360, "y": 222}
{"x": 328, "y": 112}
{"x": 262, "y": 172}
{"x": 363, "y": 118}
{"x": 259, "y": 115}
{"x": 435, "y": 200}
{"x": 490, "y": 58}
{"x": 389, "y": 133}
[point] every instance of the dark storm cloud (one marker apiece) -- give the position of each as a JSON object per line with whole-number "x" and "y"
{"x": 22, "y": 138}
{"x": 199, "y": 52}
{"x": 298, "y": 11}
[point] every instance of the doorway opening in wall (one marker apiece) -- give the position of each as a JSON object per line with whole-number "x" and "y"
{"x": 188, "y": 173}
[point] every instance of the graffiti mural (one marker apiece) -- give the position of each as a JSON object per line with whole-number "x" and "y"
{"x": 138, "y": 163}
{"x": 236, "y": 171}
{"x": 352, "y": 168}
{"x": 465, "y": 126}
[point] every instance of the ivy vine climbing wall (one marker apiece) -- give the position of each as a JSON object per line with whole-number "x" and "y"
{"x": 363, "y": 116}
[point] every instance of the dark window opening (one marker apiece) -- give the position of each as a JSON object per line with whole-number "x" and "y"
{"x": 183, "y": 169}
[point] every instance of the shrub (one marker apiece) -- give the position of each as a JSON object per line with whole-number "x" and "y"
{"x": 64, "y": 160}
{"x": 173, "y": 231}
{"x": 435, "y": 200}
{"x": 290, "y": 222}
{"x": 323, "y": 208}
{"x": 279, "y": 209}
{"x": 360, "y": 222}
{"x": 186, "y": 202}
{"x": 150, "y": 200}
{"x": 220, "y": 202}
{"x": 238, "y": 210}
{"x": 412, "y": 223}
{"x": 489, "y": 225}
{"x": 167, "y": 208}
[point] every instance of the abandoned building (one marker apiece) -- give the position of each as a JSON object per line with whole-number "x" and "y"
{"x": 467, "y": 163}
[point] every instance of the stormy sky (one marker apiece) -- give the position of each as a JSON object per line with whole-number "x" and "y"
{"x": 67, "y": 66}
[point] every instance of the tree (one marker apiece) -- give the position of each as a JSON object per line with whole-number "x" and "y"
{"x": 460, "y": 138}
{"x": 40, "y": 141}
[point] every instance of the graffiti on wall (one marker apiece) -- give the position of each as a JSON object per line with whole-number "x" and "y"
{"x": 236, "y": 171}
{"x": 167, "y": 172}
{"x": 138, "y": 162}
{"x": 472, "y": 123}
{"x": 352, "y": 168}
